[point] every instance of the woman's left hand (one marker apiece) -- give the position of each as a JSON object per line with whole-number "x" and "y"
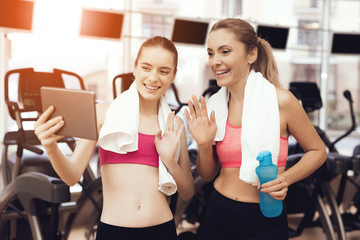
{"x": 276, "y": 188}
{"x": 167, "y": 144}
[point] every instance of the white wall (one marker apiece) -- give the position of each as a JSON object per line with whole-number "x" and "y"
{"x": 4, "y": 56}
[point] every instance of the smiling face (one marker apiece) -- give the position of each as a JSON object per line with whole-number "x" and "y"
{"x": 154, "y": 72}
{"x": 228, "y": 59}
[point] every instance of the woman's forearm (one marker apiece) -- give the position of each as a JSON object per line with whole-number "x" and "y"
{"x": 207, "y": 166}
{"x": 184, "y": 182}
{"x": 309, "y": 163}
{"x": 71, "y": 169}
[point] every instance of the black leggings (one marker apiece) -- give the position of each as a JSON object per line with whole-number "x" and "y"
{"x": 232, "y": 220}
{"x": 164, "y": 231}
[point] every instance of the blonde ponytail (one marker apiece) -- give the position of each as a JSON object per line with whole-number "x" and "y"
{"x": 265, "y": 62}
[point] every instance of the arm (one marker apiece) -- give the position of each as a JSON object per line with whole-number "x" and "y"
{"x": 203, "y": 131}
{"x": 182, "y": 171}
{"x": 207, "y": 165}
{"x": 69, "y": 169}
{"x": 167, "y": 147}
{"x": 300, "y": 127}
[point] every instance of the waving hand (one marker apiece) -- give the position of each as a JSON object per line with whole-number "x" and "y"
{"x": 167, "y": 145}
{"x": 201, "y": 127}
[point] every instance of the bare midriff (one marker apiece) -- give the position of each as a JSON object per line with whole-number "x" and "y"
{"x": 131, "y": 196}
{"x": 229, "y": 185}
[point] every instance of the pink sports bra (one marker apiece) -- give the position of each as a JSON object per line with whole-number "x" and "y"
{"x": 229, "y": 149}
{"x": 146, "y": 153}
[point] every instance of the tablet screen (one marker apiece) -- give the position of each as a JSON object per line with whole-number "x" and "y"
{"x": 77, "y": 107}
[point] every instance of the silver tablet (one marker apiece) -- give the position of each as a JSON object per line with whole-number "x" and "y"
{"x": 77, "y": 107}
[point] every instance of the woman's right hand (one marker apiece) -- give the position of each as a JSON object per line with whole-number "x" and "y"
{"x": 45, "y": 129}
{"x": 201, "y": 127}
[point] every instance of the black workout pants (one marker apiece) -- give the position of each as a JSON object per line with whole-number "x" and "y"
{"x": 227, "y": 219}
{"x": 164, "y": 231}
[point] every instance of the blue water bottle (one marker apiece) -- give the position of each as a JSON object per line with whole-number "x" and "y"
{"x": 267, "y": 171}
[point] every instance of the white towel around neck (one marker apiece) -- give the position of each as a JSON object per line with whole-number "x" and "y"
{"x": 260, "y": 122}
{"x": 119, "y": 132}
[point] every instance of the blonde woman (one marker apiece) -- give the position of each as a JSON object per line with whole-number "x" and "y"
{"x": 249, "y": 114}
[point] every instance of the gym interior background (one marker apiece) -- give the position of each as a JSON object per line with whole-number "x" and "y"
{"x": 313, "y": 41}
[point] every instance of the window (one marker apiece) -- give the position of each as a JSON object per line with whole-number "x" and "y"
{"x": 308, "y": 36}
{"x": 155, "y": 25}
{"x": 226, "y": 5}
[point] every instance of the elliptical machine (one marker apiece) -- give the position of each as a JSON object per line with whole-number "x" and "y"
{"x": 35, "y": 203}
{"x": 336, "y": 164}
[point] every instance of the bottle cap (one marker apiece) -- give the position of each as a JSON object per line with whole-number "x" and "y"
{"x": 264, "y": 157}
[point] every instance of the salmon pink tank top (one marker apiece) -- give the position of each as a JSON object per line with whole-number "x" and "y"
{"x": 146, "y": 153}
{"x": 229, "y": 149}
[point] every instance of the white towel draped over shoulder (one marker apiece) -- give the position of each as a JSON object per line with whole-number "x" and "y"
{"x": 119, "y": 132}
{"x": 260, "y": 122}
